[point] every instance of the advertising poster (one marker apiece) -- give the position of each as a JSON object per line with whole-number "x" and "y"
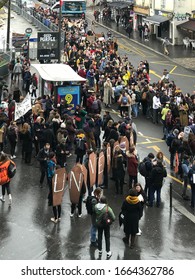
{"x": 70, "y": 93}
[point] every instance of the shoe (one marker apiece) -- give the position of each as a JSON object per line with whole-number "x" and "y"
{"x": 54, "y": 220}
{"x": 109, "y": 255}
{"x": 149, "y": 204}
{"x": 69, "y": 155}
{"x": 125, "y": 240}
{"x": 10, "y": 200}
{"x": 80, "y": 215}
{"x": 139, "y": 233}
{"x": 59, "y": 219}
{"x": 71, "y": 215}
{"x": 14, "y": 156}
{"x": 11, "y": 157}
{"x": 2, "y": 198}
{"x": 100, "y": 253}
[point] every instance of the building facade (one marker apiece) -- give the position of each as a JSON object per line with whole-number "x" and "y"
{"x": 164, "y": 18}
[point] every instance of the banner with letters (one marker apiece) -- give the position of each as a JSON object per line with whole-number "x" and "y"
{"x": 23, "y": 107}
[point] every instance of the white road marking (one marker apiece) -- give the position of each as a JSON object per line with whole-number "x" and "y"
{"x": 183, "y": 211}
{"x": 148, "y": 140}
{"x": 140, "y": 133}
{"x": 114, "y": 111}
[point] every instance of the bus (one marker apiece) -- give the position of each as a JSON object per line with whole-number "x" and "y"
{"x": 70, "y": 7}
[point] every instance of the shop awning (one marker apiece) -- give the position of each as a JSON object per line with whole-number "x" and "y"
{"x": 57, "y": 73}
{"x": 120, "y": 4}
{"x": 188, "y": 25}
{"x": 157, "y": 20}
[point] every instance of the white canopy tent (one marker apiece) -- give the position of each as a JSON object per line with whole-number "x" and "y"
{"x": 57, "y": 73}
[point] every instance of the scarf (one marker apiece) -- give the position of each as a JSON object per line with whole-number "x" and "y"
{"x": 132, "y": 199}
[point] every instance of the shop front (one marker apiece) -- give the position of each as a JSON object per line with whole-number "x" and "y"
{"x": 140, "y": 13}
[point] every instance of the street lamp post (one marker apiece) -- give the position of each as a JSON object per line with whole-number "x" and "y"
{"x": 8, "y": 26}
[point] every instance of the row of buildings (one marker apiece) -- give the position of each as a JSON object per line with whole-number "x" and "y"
{"x": 174, "y": 19}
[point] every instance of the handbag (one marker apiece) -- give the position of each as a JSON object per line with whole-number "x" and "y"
{"x": 106, "y": 219}
{"x": 121, "y": 218}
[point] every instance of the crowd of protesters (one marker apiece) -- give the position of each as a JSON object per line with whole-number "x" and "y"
{"x": 111, "y": 80}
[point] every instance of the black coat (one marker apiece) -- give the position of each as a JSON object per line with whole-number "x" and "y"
{"x": 113, "y": 134}
{"x": 132, "y": 213}
{"x": 27, "y": 142}
{"x": 157, "y": 175}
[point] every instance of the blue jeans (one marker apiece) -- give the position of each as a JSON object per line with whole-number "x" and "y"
{"x": 135, "y": 110}
{"x": 93, "y": 233}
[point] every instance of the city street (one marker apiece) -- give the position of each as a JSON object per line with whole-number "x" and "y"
{"x": 167, "y": 232}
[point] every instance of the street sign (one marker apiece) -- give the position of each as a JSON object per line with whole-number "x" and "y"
{"x": 33, "y": 40}
{"x": 28, "y": 30}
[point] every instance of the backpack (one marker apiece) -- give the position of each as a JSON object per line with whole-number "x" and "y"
{"x": 138, "y": 96}
{"x": 169, "y": 139}
{"x": 124, "y": 100}
{"x": 11, "y": 171}
{"x": 142, "y": 168}
{"x": 80, "y": 144}
{"x": 105, "y": 219}
{"x": 89, "y": 204}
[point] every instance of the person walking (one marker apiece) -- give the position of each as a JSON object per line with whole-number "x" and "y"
{"x": 142, "y": 198}
{"x": 17, "y": 71}
{"x": 108, "y": 91}
{"x": 12, "y": 135}
{"x": 51, "y": 165}
{"x": 132, "y": 210}
{"x": 191, "y": 176}
{"x": 100, "y": 209}
{"x": 4, "y": 177}
{"x": 26, "y": 138}
{"x": 165, "y": 44}
{"x": 185, "y": 170}
{"x": 92, "y": 200}
{"x": 132, "y": 166}
{"x": 43, "y": 157}
{"x": 119, "y": 171}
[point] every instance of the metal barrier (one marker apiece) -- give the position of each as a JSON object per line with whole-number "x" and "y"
{"x": 35, "y": 19}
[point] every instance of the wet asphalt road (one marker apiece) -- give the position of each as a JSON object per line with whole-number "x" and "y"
{"x": 27, "y": 233}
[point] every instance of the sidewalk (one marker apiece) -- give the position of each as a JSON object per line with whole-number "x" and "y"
{"x": 179, "y": 54}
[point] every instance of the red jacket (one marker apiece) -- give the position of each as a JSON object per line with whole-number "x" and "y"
{"x": 132, "y": 165}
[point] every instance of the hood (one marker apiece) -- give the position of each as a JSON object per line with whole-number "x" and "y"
{"x": 100, "y": 206}
{"x": 132, "y": 199}
{"x": 158, "y": 169}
